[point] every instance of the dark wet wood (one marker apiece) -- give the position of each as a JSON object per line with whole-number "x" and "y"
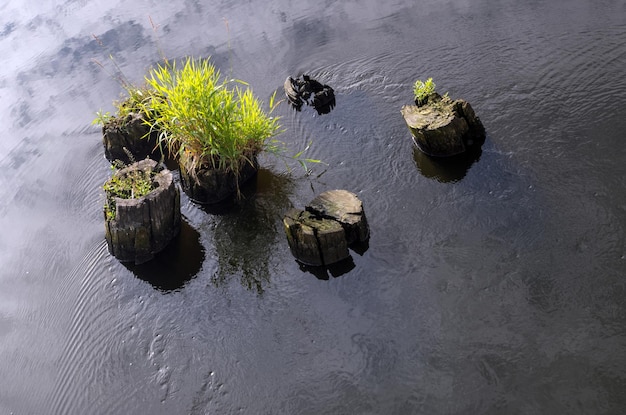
{"x": 442, "y": 127}
{"x": 321, "y": 234}
{"x": 209, "y": 186}
{"x": 308, "y": 90}
{"x": 130, "y": 139}
{"x": 144, "y": 226}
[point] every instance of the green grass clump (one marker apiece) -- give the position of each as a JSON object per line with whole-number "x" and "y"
{"x": 213, "y": 123}
{"x": 422, "y": 90}
{"x": 133, "y": 185}
{"x": 138, "y": 100}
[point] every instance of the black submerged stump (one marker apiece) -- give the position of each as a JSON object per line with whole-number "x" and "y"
{"x": 138, "y": 228}
{"x": 330, "y": 223}
{"x": 442, "y": 127}
{"x": 129, "y": 138}
{"x": 309, "y": 91}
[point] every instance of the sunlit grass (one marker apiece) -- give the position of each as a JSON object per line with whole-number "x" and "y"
{"x": 216, "y": 123}
{"x": 421, "y": 89}
{"x": 137, "y": 100}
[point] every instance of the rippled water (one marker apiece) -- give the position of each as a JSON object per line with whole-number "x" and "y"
{"x": 492, "y": 285}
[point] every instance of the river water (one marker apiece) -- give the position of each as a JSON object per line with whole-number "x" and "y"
{"x": 495, "y": 285}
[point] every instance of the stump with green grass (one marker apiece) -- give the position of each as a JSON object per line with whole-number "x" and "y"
{"x": 129, "y": 134}
{"x": 214, "y": 127}
{"x": 129, "y": 138}
{"x": 440, "y": 126}
{"x": 142, "y": 211}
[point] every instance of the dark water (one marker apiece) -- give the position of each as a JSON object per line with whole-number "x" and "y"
{"x": 492, "y": 286}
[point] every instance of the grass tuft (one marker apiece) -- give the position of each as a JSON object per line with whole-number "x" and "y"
{"x": 133, "y": 185}
{"x": 216, "y": 123}
{"x": 421, "y": 90}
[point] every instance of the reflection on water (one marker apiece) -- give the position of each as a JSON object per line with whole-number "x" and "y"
{"x": 333, "y": 270}
{"x": 447, "y": 169}
{"x": 498, "y": 294}
{"x": 246, "y": 231}
{"x": 178, "y": 263}
{"x": 339, "y": 268}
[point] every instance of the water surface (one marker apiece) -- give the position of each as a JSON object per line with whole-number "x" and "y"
{"x": 488, "y": 287}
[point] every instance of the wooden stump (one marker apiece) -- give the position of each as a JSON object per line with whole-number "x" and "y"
{"x": 144, "y": 226}
{"x": 321, "y": 234}
{"x": 128, "y": 139}
{"x": 206, "y": 185}
{"x": 442, "y": 127}
{"x": 314, "y": 240}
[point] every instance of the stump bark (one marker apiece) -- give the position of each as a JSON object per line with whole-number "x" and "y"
{"x": 442, "y": 127}
{"x": 207, "y": 185}
{"x": 144, "y": 226}
{"x": 330, "y": 223}
{"x": 130, "y": 138}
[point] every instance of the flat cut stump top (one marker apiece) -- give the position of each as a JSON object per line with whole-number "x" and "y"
{"x": 321, "y": 234}
{"x": 423, "y": 118}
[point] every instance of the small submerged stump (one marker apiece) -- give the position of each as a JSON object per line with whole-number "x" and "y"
{"x": 206, "y": 185}
{"x": 144, "y": 226}
{"x": 442, "y": 127}
{"x": 321, "y": 234}
{"x": 129, "y": 138}
{"x": 307, "y": 90}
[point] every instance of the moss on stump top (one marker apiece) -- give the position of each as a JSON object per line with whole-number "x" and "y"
{"x": 428, "y": 117}
{"x": 443, "y": 127}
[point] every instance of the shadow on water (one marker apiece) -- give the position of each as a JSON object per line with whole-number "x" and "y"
{"x": 339, "y": 268}
{"x": 247, "y": 229}
{"x": 177, "y": 264}
{"x": 447, "y": 169}
{"x": 334, "y": 270}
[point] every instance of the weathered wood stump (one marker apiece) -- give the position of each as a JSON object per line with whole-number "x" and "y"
{"x": 330, "y": 223}
{"x": 130, "y": 138}
{"x": 442, "y": 127}
{"x": 207, "y": 185}
{"x": 144, "y": 226}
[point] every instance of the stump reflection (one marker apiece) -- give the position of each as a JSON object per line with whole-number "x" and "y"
{"x": 245, "y": 232}
{"x": 449, "y": 169}
{"x": 177, "y": 264}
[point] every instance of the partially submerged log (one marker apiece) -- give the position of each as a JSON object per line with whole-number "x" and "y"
{"x": 442, "y": 127}
{"x": 130, "y": 138}
{"x": 142, "y": 227}
{"x": 330, "y": 223}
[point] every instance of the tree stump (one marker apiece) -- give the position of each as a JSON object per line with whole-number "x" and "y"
{"x": 442, "y": 127}
{"x": 144, "y": 226}
{"x": 130, "y": 138}
{"x": 330, "y": 223}
{"x": 207, "y": 185}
